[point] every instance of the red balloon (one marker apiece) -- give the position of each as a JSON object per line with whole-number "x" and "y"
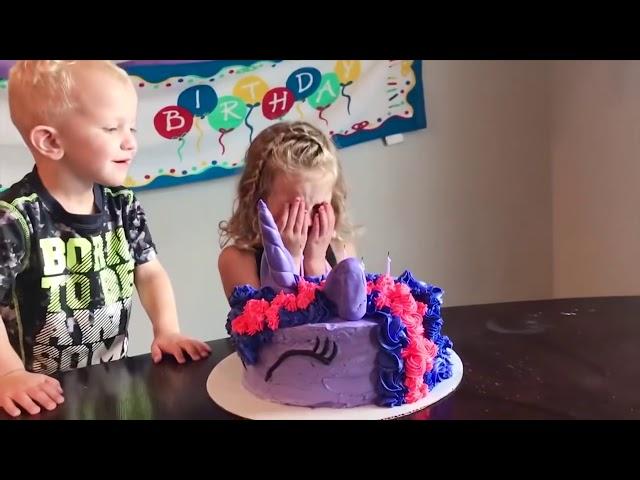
{"x": 173, "y": 121}
{"x": 277, "y": 102}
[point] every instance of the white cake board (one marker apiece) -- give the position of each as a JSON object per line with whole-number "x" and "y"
{"x": 224, "y": 386}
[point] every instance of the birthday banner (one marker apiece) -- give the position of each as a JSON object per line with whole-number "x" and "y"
{"x": 197, "y": 118}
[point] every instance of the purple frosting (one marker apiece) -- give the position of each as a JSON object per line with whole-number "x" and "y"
{"x": 277, "y": 267}
{"x": 347, "y": 289}
{"x": 348, "y": 380}
{"x": 392, "y": 338}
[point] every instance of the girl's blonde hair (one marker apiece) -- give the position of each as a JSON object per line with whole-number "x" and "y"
{"x": 285, "y": 147}
{"x": 39, "y": 90}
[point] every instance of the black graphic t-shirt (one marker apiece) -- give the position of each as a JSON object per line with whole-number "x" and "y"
{"x": 66, "y": 281}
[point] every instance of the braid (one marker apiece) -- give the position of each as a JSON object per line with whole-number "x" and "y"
{"x": 288, "y": 148}
{"x": 249, "y": 194}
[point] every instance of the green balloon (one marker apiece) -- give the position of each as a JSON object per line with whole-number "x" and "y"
{"x": 229, "y": 113}
{"x": 327, "y": 92}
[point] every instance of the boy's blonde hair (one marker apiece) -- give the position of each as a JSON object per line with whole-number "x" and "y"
{"x": 40, "y": 90}
{"x": 285, "y": 147}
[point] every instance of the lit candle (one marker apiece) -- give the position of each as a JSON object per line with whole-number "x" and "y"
{"x": 388, "y": 264}
{"x": 362, "y": 263}
{"x": 302, "y": 265}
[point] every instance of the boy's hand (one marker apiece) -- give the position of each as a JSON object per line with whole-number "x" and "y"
{"x": 320, "y": 235}
{"x": 25, "y": 389}
{"x": 293, "y": 227}
{"x": 174, "y": 344}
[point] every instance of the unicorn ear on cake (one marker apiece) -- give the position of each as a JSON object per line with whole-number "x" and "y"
{"x": 345, "y": 285}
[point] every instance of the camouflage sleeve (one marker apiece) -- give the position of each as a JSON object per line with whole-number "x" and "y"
{"x": 13, "y": 249}
{"x": 135, "y": 221}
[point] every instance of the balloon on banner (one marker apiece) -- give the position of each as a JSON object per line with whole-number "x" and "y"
{"x": 173, "y": 122}
{"x": 277, "y": 102}
{"x": 200, "y": 100}
{"x": 251, "y": 89}
{"x": 228, "y": 115}
{"x": 348, "y": 72}
{"x": 326, "y": 94}
{"x": 303, "y": 82}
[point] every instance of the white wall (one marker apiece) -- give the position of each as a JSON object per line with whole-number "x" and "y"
{"x": 465, "y": 204}
{"x": 595, "y": 153}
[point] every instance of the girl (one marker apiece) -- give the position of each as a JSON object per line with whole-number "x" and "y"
{"x": 293, "y": 167}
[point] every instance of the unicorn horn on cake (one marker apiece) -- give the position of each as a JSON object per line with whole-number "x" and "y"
{"x": 276, "y": 267}
{"x": 345, "y": 285}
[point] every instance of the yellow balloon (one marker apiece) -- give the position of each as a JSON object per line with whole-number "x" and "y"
{"x": 348, "y": 70}
{"x": 251, "y": 89}
{"x": 405, "y": 67}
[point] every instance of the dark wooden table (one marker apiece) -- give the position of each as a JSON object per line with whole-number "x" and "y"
{"x": 552, "y": 359}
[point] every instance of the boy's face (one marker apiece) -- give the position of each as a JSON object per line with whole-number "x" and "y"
{"x": 98, "y": 135}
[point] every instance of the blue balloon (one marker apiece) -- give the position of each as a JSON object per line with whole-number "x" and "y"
{"x": 303, "y": 82}
{"x": 200, "y": 100}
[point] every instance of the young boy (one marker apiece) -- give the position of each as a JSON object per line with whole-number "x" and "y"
{"x": 72, "y": 242}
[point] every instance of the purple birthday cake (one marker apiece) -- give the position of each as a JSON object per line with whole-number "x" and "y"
{"x": 346, "y": 339}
